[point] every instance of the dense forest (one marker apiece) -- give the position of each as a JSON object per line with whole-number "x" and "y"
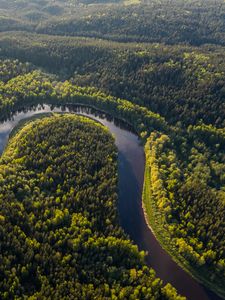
{"x": 185, "y": 193}
{"x": 158, "y": 65}
{"x": 182, "y": 83}
{"x": 169, "y": 21}
{"x": 185, "y": 165}
{"x": 59, "y": 227}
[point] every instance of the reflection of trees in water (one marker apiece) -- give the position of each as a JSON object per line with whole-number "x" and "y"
{"x": 82, "y": 109}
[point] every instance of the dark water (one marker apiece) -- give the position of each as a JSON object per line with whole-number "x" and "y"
{"x": 131, "y": 175}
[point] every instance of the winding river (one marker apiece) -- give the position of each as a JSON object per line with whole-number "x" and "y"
{"x": 131, "y": 175}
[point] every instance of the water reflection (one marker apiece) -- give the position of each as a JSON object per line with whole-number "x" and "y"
{"x": 131, "y": 163}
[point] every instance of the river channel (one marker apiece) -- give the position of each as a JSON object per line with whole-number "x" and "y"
{"x": 131, "y": 162}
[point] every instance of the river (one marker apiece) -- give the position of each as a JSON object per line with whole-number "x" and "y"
{"x": 131, "y": 162}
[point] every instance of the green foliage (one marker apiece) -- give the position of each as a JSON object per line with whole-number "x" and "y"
{"x": 182, "y": 83}
{"x": 58, "y": 200}
{"x": 36, "y": 87}
{"x": 194, "y": 22}
{"x": 12, "y": 68}
{"x": 181, "y": 162}
{"x": 59, "y": 229}
{"x": 187, "y": 191}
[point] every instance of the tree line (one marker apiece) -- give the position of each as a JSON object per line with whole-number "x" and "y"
{"x": 59, "y": 229}
{"x": 184, "y": 84}
{"x": 187, "y": 196}
{"x": 171, "y": 22}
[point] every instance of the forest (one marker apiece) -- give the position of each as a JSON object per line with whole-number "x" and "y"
{"x": 185, "y": 165}
{"x": 157, "y": 65}
{"x": 183, "y": 84}
{"x": 168, "y": 21}
{"x": 184, "y": 192}
{"x": 59, "y": 229}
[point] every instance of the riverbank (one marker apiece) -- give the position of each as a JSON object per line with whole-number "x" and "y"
{"x": 132, "y": 171}
{"x": 24, "y": 122}
{"x": 155, "y": 222}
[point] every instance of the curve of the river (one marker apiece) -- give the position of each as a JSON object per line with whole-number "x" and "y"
{"x": 131, "y": 162}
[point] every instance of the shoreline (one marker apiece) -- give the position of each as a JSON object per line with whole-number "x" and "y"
{"x": 148, "y": 207}
{"x": 150, "y": 218}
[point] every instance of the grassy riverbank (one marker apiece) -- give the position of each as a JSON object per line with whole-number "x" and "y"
{"x": 57, "y": 168}
{"x": 156, "y": 223}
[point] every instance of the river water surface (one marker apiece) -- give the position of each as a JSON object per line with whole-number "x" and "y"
{"x": 131, "y": 162}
